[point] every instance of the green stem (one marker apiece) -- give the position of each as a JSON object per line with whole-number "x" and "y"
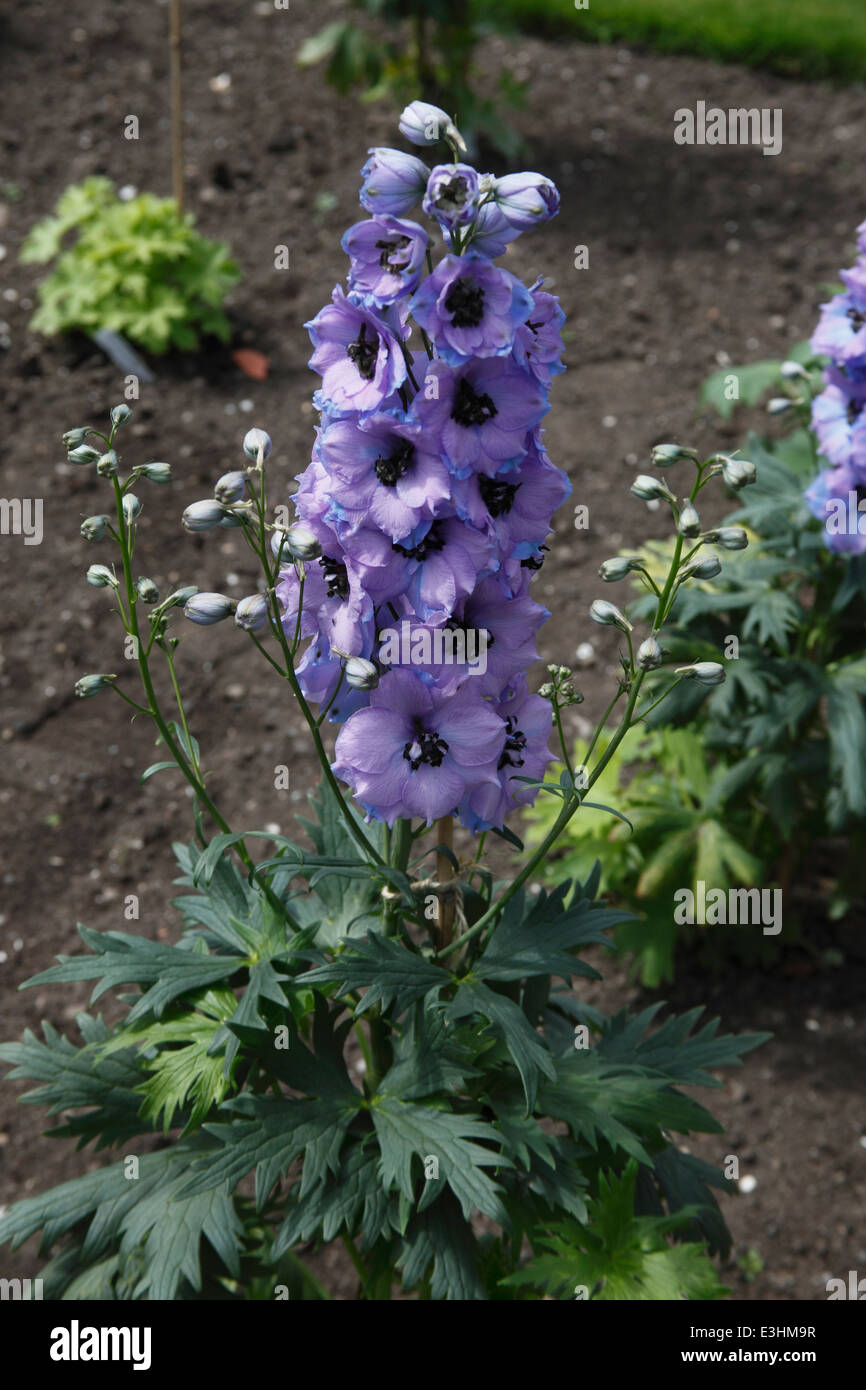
{"x": 360, "y": 1267}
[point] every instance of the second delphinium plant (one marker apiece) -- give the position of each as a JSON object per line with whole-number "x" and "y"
{"x": 373, "y": 1026}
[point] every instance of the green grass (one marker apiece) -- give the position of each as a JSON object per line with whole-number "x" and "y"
{"x": 806, "y": 38}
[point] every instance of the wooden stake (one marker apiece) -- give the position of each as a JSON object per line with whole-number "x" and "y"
{"x": 444, "y": 874}
{"x": 176, "y": 105}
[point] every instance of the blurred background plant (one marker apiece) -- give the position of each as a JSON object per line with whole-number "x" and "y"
{"x": 135, "y": 266}
{"x": 758, "y": 780}
{"x": 401, "y": 49}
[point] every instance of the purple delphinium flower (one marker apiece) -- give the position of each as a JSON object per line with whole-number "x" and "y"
{"x": 525, "y": 754}
{"x": 333, "y": 599}
{"x": 452, "y": 195}
{"x": 387, "y": 257}
{"x": 839, "y": 421}
{"x": 414, "y": 752}
{"x": 379, "y": 470}
{"x": 510, "y": 626}
{"x": 478, "y": 414}
{"x": 320, "y": 671}
{"x": 423, "y": 124}
{"x": 491, "y": 231}
{"x": 538, "y": 344}
{"x": 433, "y": 566}
{"x": 471, "y": 308}
{"x": 841, "y": 331}
{"x": 526, "y": 199}
{"x": 357, "y": 355}
{"x": 393, "y": 181}
{"x": 515, "y": 505}
{"x": 838, "y": 498}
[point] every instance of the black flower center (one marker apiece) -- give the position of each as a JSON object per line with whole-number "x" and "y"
{"x": 433, "y": 541}
{"x": 470, "y": 408}
{"x": 336, "y": 576}
{"x": 424, "y": 748}
{"x": 497, "y": 497}
{"x": 853, "y": 411}
{"x": 391, "y": 469}
{"x": 363, "y": 353}
{"x": 453, "y": 192}
{"x": 390, "y": 252}
{"x": 857, "y": 320}
{"x": 465, "y": 303}
{"x": 533, "y": 562}
{"x": 515, "y": 742}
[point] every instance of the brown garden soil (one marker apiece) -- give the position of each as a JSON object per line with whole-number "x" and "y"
{"x": 694, "y": 254}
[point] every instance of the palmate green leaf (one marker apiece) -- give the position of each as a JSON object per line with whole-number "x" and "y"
{"x": 393, "y": 975}
{"x": 72, "y": 1079}
{"x": 120, "y": 958}
{"x": 528, "y": 1051}
{"x": 686, "y": 1182}
{"x": 846, "y": 728}
{"x": 439, "y": 1245}
{"x": 753, "y": 381}
{"x": 171, "y": 1228}
{"x": 673, "y": 1052}
{"x": 430, "y": 1055}
{"x": 620, "y": 1256}
{"x": 720, "y": 858}
{"x": 343, "y": 1200}
{"x": 408, "y": 1133}
{"x": 542, "y": 942}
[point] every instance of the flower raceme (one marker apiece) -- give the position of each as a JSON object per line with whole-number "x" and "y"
{"x": 429, "y": 495}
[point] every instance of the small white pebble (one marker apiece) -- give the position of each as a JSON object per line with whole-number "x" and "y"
{"x": 747, "y": 1184}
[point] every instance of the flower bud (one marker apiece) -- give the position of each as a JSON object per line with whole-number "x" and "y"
{"x": 88, "y": 686}
{"x": 301, "y": 543}
{"x": 617, "y": 568}
{"x": 230, "y": 487}
{"x": 232, "y": 520}
{"x": 647, "y": 488}
{"x": 649, "y": 654}
{"x": 154, "y": 472}
{"x": 705, "y": 672}
{"x": 100, "y": 576}
{"x": 608, "y": 615}
{"x": 546, "y": 691}
{"x": 737, "y": 473}
{"x": 729, "y": 537}
{"x": 120, "y": 414}
{"x": 792, "y": 371}
{"x": 93, "y": 528}
{"x": 106, "y": 465}
{"x": 663, "y": 455}
{"x": 83, "y": 454}
{"x": 179, "y": 596}
{"x": 131, "y": 508}
{"x": 689, "y": 524}
{"x": 702, "y": 569}
{"x": 205, "y": 609}
{"x": 252, "y": 613}
{"x": 778, "y": 405}
{"x": 423, "y": 124}
{"x": 257, "y": 445}
{"x": 72, "y": 438}
{"x": 361, "y": 674}
{"x": 203, "y": 516}
{"x": 147, "y": 590}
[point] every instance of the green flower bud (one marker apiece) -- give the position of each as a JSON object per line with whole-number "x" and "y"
{"x": 206, "y": 609}
{"x": 730, "y": 537}
{"x": 179, "y": 596}
{"x": 106, "y": 466}
{"x": 608, "y": 615}
{"x": 649, "y": 654}
{"x": 361, "y": 674}
{"x": 702, "y": 569}
{"x": 614, "y": 569}
{"x": 302, "y": 543}
{"x": 203, "y": 516}
{"x": 648, "y": 489}
{"x": 88, "y": 686}
{"x": 704, "y": 672}
{"x": 100, "y": 576}
{"x": 72, "y": 438}
{"x": 737, "y": 473}
{"x": 257, "y": 445}
{"x": 83, "y": 454}
{"x": 154, "y": 472}
{"x": 546, "y": 691}
{"x": 230, "y": 487}
{"x": 778, "y": 405}
{"x": 252, "y": 613}
{"x": 131, "y": 508}
{"x": 120, "y": 414}
{"x": 665, "y": 454}
{"x": 147, "y": 591}
{"x": 94, "y": 528}
{"x": 689, "y": 524}
{"x": 792, "y": 371}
